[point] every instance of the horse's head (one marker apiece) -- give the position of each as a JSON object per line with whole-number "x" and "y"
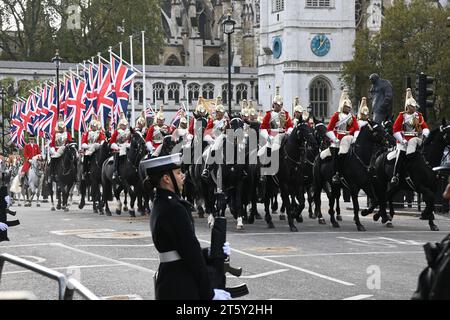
{"x": 71, "y": 153}
{"x": 320, "y": 132}
{"x": 304, "y": 135}
{"x": 375, "y": 132}
{"x": 445, "y": 129}
{"x": 167, "y": 145}
{"x": 236, "y": 123}
{"x": 137, "y": 147}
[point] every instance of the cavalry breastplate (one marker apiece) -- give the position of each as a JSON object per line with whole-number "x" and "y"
{"x": 123, "y": 135}
{"x": 158, "y": 134}
{"x": 275, "y": 121}
{"x": 93, "y": 136}
{"x": 409, "y": 123}
{"x": 218, "y": 126}
{"x": 343, "y": 127}
{"x": 60, "y": 139}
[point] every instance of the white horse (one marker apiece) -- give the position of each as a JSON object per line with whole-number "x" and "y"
{"x": 34, "y": 180}
{"x": 32, "y": 184}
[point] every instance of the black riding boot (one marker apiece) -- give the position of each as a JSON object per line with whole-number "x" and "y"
{"x": 53, "y": 168}
{"x": 336, "y": 179}
{"x": 85, "y": 167}
{"x": 115, "y": 175}
{"x": 398, "y": 168}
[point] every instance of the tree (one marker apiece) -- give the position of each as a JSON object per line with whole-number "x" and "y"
{"x": 25, "y": 30}
{"x": 412, "y": 39}
{"x": 33, "y": 29}
{"x": 105, "y": 23}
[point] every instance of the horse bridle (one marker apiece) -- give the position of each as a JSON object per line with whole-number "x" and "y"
{"x": 138, "y": 151}
{"x": 69, "y": 146}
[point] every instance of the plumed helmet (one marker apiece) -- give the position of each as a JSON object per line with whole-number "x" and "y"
{"x": 220, "y": 108}
{"x": 297, "y": 106}
{"x": 94, "y": 123}
{"x": 363, "y": 109}
{"x": 278, "y": 99}
{"x": 200, "y": 109}
{"x": 60, "y": 124}
{"x": 160, "y": 114}
{"x": 345, "y": 100}
{"x": 123, "y": 120}
{"x": 409, "y": 100}
{"x": 141, "y": 120}
{"x": 183, "y": 120}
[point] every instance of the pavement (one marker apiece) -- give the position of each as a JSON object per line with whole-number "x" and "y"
{"x": 115, "y": 258}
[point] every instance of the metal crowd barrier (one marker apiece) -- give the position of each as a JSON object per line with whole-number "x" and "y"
{"x": 66, "y": 287}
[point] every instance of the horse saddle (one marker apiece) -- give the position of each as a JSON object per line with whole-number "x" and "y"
{"x": 325, "y": 153}
{"x": 392, "y": 155}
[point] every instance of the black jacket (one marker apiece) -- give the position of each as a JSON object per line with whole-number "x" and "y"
{"x": 172, "y": 228}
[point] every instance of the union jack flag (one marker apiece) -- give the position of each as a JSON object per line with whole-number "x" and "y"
{"x": 105, "y": 97}
{"x": 75, "y": 105}
{"x": 122, "y": 78}
{"x": 48, "y": 113}
{"x": 90, "y": 78}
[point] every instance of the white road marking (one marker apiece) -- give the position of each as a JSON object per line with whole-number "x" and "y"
{"x": 36, "y": 259}
{"x": 79, "y": 231}
{"x": 115, "y": 245}
{"x": 71, "y": 267}
{"x": 325, "y": 232}
{"x": 359, "y": 297}
{"x": 260, "y": 275}
{"x": 27, "y": 245}
{"x": 123, "y": 297}
{"x": 141, "y": 259}
{"x": 105, "y": 258}
{"x": 290, "y": 266}
{"x": 342, "y": 254}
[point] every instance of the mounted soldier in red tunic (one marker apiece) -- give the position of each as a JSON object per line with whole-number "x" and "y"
{"x": 30, "y": 151}
{"x": 60, "y": 138}
{"x": 91, "y": 142}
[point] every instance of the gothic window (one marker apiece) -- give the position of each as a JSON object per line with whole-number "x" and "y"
{"x": 173, "y": 61}
{"x": 208, "y": 91}
{"x": 241, "y": 92}
{"x": 173, "y": 91}
{"x": 193, "y": 92}
{"x": 225, "y": 93}
{"x": 213, "y": 61}
{"x": 277, "y": 5}
{"x": 319, "y": 98}
{"x": 320, "y": 3}
{"x": 138, "y": 92}
{"x": 158, "y": 92}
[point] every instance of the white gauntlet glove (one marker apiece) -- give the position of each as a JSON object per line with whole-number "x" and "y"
{"x": 4, "y": 227}
{"x": 220, "y": 294}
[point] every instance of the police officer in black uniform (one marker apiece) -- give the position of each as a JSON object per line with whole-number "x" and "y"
{"x": 182, "y": 273}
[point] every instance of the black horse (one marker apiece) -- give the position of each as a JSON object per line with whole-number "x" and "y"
{"x": 66, "y": 174}
{"x": 130, "y": 181}
{"x": 196, "y": 189}
{"x": 291, "y": 175}
{"x": 94, "y": 177}
{"x": 356, "y": 172}
{"x": 419, "y": 177}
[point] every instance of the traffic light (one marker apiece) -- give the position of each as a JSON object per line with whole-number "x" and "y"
{"x": 426, "y": 91}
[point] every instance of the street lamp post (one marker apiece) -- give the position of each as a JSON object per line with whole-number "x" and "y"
{"x": 228, "y": 29}
{"x": 57, "y": 61}
{"x": 3, "y": 97}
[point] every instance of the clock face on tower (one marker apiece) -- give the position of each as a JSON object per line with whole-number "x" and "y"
{"x": 320, "y": 45}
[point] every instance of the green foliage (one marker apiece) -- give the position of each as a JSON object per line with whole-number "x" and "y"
{"x": 98, "y": 21}
{"x": 413, "y": 39}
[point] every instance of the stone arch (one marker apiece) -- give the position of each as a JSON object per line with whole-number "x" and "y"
{"x": 172, "y": 60}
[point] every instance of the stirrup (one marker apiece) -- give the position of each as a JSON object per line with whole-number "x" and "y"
{"x": 336, "y": 178}
{"x": 394, "y": 180}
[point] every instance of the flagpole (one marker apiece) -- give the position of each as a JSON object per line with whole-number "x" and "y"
{"x": 126, "y": 63}
{"x": 113, "y": 118}
{"x": 144, "y": 104}
{"x": 133, "y": 118}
